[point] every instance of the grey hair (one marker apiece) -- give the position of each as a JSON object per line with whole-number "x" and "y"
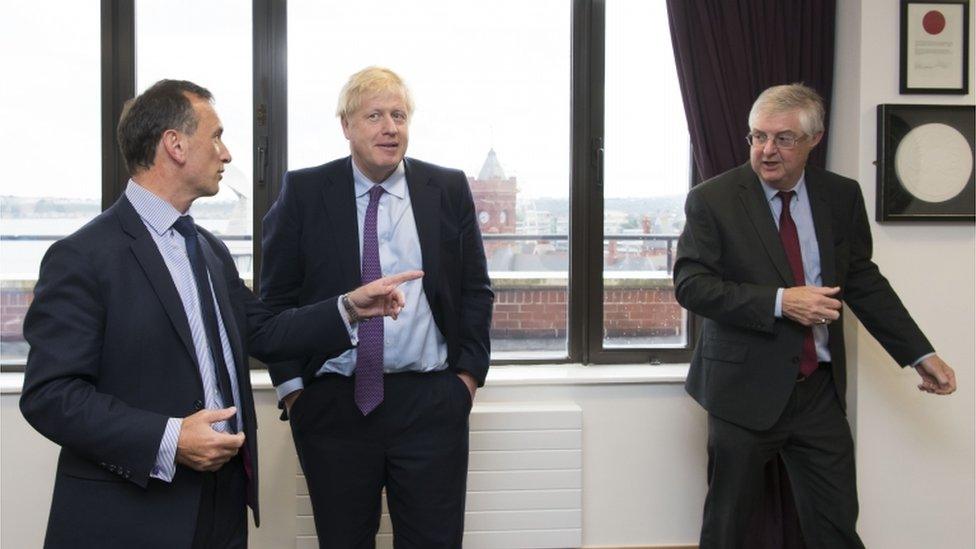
{"x": 788, "y": 98}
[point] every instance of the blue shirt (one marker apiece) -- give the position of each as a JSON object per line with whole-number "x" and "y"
{"x": 412, "y": 343}
{"x": 159, "y": 215}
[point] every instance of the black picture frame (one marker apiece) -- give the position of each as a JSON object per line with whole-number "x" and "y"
{"x": 921, "y": 175}
{"x": 934, "y": 47}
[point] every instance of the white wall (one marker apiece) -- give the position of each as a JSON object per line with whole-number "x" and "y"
{"x": 916, "y": 453}
{"x": 643, "y": 465}
{"x": 643, "y": 460}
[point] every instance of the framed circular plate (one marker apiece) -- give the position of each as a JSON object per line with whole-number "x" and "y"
{"x": 925, "y": 163}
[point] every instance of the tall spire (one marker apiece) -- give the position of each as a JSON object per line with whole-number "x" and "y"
{"x": 492, "y": 168}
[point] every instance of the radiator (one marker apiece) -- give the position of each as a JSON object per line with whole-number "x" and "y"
{"x": 525, "y": 480}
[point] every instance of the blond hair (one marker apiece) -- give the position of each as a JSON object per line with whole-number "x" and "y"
{"x": 369, "y": 82}
{"x": 788, "y": 98}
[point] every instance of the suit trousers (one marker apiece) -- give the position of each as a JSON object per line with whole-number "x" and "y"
{"x": 415, "y": 444}
{"x": 222, "y": 518}
{"x": 814, "y": 440}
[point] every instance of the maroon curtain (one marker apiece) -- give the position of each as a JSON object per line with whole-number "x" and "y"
{"x": 727, "y": 52}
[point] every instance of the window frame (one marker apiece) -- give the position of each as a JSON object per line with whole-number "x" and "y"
{"x": 270, "y": 132}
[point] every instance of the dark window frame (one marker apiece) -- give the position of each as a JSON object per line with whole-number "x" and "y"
{"x": 270, "y": 128}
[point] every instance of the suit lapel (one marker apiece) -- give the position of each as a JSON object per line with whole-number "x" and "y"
{"x": 219, "y": 283}
{"x": 339, "y": 196}
{"x": 223, "y": 301}
{"x": 425, "y": 199}
{"x": 147, "y": 254}
{"x": 824, "y": 228}
{"x": 754, "y": 201}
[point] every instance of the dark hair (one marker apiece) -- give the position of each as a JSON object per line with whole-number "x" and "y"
{"x": 162, "y": 107}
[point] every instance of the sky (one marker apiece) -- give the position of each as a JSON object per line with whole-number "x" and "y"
{"x": 496, "y": 76}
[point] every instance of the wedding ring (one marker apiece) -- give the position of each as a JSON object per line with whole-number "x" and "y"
{"x": 823, "y": 320}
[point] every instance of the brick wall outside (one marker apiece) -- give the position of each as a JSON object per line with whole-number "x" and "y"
{"x": 523, "y": 309}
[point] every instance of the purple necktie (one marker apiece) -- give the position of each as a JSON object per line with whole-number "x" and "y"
{"x": 369, "y": 353}
{"x": 791, "y": 244}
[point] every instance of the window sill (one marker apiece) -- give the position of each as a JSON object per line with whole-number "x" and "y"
{"x": 502, "y": 376}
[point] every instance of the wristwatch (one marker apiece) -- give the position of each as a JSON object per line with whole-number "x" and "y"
{"x": 350, "y": 309}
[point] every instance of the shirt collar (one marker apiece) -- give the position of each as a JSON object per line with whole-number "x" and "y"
{"x": 396, "y": 184}
{"x": 800, "y": 189}
{"x": 154, "y": 211}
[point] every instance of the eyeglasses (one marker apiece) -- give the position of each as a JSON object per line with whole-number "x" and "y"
{"x": 782, "y": 141}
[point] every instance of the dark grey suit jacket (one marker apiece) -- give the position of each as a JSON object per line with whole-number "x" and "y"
{"x": 729, "y": 264}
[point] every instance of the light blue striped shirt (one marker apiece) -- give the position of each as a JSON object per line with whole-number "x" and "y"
{"x": 159, "y": 215}
{"x": 412, "y": 343}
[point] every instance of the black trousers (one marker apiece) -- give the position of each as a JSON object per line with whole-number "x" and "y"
{"x": 814, "y": 439}
{"x": 222, "y": 518}
{"x": 415, "y": 444}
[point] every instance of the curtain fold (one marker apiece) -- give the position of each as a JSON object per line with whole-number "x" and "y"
{"x": 727, "y": 52}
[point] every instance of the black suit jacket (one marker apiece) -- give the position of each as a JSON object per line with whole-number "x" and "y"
{"x": 311, "y": 251}
{"x": 730, "y": 262}
{"x": 111, "y": 358}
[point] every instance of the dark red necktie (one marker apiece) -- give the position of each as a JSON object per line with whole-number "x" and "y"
{"x": 791, "y": 245}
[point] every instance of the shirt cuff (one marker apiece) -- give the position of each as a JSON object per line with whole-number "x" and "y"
{"x": 921, "y": 358}
{"x": 778, "y": 308}
{"x": 289, "y": 387}
{"x": 165, "y": 466}
{"x": 352, "y": 330}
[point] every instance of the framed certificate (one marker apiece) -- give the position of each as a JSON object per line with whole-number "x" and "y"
{"x": 934, "y": 46}
{"x": 925, "y": 163}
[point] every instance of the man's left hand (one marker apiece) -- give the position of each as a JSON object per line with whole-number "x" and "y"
{"x": 470, "y": 382}
{"x": 937, "y": 377}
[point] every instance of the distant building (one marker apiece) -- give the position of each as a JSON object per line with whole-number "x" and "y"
{"x": 494, "y": 197}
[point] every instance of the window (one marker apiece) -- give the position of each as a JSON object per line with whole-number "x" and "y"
{"x": 645, "y": 179}
{"x": 51, "y": 185}
{"x": 491, "y": 85}
{"x": 213, "y": 49}
{"x": 564, "y": 114}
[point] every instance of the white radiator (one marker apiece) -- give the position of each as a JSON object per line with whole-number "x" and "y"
{"x": 525, "y": 480}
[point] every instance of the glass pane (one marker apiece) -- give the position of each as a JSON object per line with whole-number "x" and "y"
{"x": 491, "y": 83}
{"x": 51, "y": 109}
{"x": 646, "y": 178}
{"x": 212, "y": 49}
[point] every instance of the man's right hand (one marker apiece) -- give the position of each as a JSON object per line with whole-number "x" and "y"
{"x": 290, "y": 399}
{"x": 200, "y": 447}
{"x": 382, "y": 297}
{"x": 811, "y": 305}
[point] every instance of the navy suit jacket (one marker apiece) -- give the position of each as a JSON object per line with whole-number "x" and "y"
{"x": 111, "y": 358}
{"x": 311, "y": 252}
{"x": 730, "y": 263}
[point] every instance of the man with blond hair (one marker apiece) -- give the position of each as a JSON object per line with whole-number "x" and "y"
{"x": 393, "y": 411}
{"x": 769, "y": 252}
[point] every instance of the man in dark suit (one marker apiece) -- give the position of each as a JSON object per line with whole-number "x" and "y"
{"x": 140, "y": 330}
{"x": 769, "y": 251}
{"x": 393, "y": 412}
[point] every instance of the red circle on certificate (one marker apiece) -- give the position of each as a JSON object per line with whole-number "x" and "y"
{"x": 933, "y": 22}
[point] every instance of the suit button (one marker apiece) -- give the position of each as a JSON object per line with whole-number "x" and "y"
{"x": 198, "y": 404}
{"x": 796, "y": 360}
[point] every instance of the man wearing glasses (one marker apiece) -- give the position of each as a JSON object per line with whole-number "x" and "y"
{"x": 769, "y": 252}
